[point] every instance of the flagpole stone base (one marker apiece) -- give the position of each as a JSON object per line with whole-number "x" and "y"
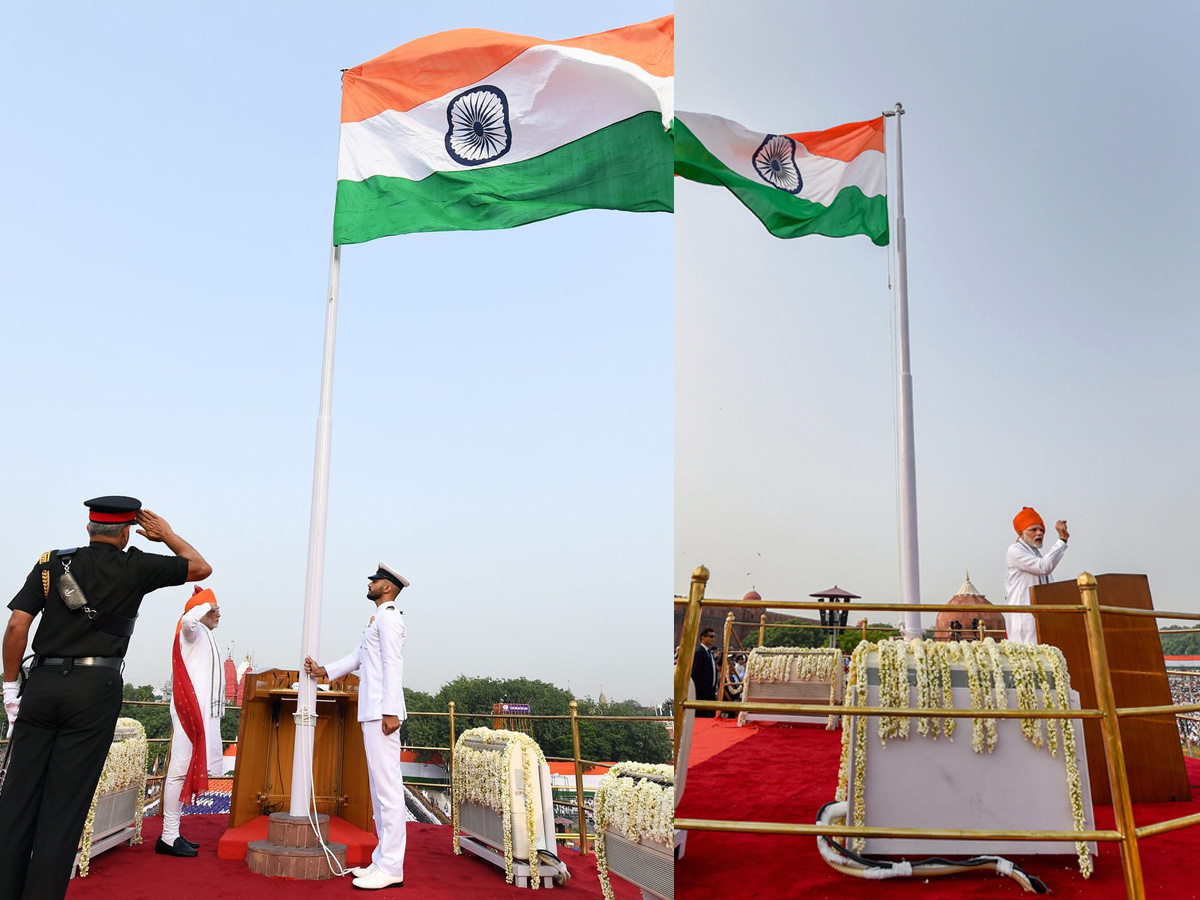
{"x": 292, "y": 850}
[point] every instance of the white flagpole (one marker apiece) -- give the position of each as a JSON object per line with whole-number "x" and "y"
{"x": 310, "y": 638}
{"x": 910, "y": 576}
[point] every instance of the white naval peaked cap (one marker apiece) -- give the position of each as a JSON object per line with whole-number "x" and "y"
{"x": 390, "y": 574}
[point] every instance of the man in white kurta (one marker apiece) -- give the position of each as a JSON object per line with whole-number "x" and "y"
{"x": 379, "y": 660}
{"x": 204, "y": 670}
{"x": 1026, "y": 567}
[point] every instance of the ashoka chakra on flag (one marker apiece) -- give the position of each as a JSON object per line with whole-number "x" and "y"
{"x": 775, "y": 162}
{"x": 479, "y": 129}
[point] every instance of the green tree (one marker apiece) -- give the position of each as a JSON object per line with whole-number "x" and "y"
{"x": 422, "y": 731}
{"x": 230, "y": 724}
{"x": 646, "y": 742}
{"x": 155, "y": 719}
{"x": 1186, "y": 644}
{"x": 782, "y": 636}
{"x": 473, "y": 699}
{"x": 876, "y": 631}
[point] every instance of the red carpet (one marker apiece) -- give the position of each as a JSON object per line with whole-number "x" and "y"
{"x": 432, "y": 872}
{"x": 785, "y": 774}
{"x": 713, "y": 736}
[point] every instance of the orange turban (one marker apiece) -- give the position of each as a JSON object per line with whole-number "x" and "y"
{"x": 1026, "y": 518}
{"x": 199, "y": 595}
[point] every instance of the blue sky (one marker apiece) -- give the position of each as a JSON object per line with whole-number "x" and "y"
{"x": 1050, "y": 193}
{"x": 502, "y": 401}
{"x": 527, "y": 422}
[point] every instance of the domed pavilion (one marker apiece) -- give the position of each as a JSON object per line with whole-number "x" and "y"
{"x": 965, "y": 626}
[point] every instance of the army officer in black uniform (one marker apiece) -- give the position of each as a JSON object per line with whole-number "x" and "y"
{"x": 68, "y": 710}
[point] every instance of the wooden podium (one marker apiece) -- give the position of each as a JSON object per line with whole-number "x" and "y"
{"x": 262, "y": 780}
{"x": 1153, "y": 755}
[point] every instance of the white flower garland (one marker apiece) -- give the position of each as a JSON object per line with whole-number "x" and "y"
{"x": 1032, "y": 666}
{"x": 893, "y": 688}
{"x": 481, "y": 776}
{"x": 856, "y": 687}
{"x": 771, "y": 664}
{"x": 124, "y": 767}
{"x": 768, "y": 665}
{"x": 941, "y": 660}
{"x": 636, "y": 800}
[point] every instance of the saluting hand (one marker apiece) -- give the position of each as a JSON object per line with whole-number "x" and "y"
{"x": 154, "y": 527}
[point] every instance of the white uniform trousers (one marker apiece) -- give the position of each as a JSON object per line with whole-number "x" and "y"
{"x": 181, "y": 758}
{"x": 387, "y": 797}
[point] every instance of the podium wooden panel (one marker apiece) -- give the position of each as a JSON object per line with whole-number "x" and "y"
{"x": 262, "y": 780}
{"x": 1153, "y": 754}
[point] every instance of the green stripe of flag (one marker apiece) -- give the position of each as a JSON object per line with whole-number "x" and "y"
{"x": 784, "y": 215}
{"x": 626, "y": 166}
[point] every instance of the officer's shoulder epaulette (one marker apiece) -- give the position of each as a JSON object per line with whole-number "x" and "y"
{"x": 43, "y": 561}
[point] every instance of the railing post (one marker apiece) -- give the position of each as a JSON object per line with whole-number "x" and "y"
{"x": 451, "y": 766}
{"x": 1131, "y": 862}
{"x": 725, "y": 656}
{"x": 583, "y": 846}
{"x": 687, "y": 648}
{"x": 762, "y": 628}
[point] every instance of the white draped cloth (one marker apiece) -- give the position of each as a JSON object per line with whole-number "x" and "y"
{"x": 1026, "y": 567}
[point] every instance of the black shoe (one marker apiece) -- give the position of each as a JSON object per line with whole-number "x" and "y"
{"x": 179, "y": 848}
{"x": 191, "y": 844}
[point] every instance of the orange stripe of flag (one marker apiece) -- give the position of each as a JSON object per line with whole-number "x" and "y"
{"x": 432, "y": 66}
{"x": 844, "y": 142}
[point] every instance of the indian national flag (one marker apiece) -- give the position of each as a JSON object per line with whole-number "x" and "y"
{"x": 818, "y": 182}
{"x": 475, "y": 129}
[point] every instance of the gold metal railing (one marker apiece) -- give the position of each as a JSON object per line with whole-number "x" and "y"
{"x": 581, "y": 808}
{"x": 1126, "y": 833}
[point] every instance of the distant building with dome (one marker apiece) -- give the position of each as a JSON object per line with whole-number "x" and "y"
{"x": 714, "y": 617}
{"x": 964, "y": 626}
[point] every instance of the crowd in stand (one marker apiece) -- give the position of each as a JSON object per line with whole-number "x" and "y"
{"x": 1185, "y": 688}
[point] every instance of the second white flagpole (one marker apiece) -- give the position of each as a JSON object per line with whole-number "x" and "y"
{"x": 310, "y": 638}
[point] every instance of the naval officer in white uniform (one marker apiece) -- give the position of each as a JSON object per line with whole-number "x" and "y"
{"x": 379, "y": 659}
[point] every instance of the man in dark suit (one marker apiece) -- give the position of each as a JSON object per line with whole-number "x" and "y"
{"x": 704, "y": 672}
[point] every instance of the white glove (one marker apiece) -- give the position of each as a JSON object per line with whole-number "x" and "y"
{"x": 11, "y": 702}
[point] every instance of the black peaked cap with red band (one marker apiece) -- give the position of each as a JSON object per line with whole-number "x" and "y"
{"x": 114, "y": 510}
